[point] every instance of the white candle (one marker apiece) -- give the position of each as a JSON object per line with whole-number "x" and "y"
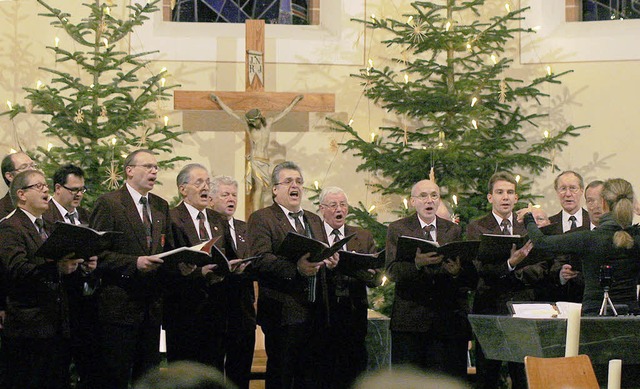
{"x": 615, "y": 374}
{"x": 573, "y": 333}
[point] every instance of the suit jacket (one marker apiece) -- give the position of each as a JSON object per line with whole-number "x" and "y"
{"x": 497, "y": 284}
{"x": 556, "y": 221}
{"x": 191, "y": 301}
{"x": 429, "y": 299}
{"x": 128, "y": 296}
{"x": 37, "y": 304}
{"x": 53, "y": 215}
{"x": 240, "y": 292}
{"x": 6, "y": 206}
{"x": 282, "y": 297}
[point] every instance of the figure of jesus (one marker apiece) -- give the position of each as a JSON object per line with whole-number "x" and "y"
{"x": 258, "y": 165}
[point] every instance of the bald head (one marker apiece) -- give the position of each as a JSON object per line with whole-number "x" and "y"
{"x": 425, "y": 199}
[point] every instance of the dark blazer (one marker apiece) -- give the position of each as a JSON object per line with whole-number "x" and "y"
{"x": 282, "y": 297}
{"x": 240, "y": 292}
{"x": 191, "y": 301}
{"x": 37, "y": 304}
{"x": 53, "y": 214}
{"x": 128, "y": 296}
{"x": 6, "y": 206}
{"x": 429, "y": 299}
{"x": 556, "y": 221}
{"x": 497, "y": 284}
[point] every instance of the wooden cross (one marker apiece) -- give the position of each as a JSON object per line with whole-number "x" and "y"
{"x": 254, "y": 96}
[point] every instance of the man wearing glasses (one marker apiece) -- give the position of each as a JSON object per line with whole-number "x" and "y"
{"x": 130, "y": 298}
{"x": 292, "y": 299}
{"x": 569, "y": 187}
{"x": 36, "y": 339}
{"x": 348, "y": 294}
{"x": 13, "y": 164}
{"x": 429, "y": 328}
{"x": 64, "y": 206}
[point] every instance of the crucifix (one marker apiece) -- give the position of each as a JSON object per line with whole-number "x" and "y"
{"x": 254, "y": 100}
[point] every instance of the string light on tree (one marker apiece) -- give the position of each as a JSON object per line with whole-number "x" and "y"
{"x": 474, "y": 100}
{"x": 548, "y": 69}
{"x": 316, "y": 185}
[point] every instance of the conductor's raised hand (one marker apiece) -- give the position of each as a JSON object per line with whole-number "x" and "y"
{"x": 307, "y": 268}
{"x": 425, "y": 259}
{"x": 520, "y": 254}
{"x": 148, "y": 263}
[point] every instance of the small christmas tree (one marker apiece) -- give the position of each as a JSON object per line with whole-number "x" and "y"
{"x": 450, "y": 80}
{"x": 109, "y": 108}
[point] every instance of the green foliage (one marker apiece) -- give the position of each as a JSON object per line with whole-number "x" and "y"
{"x": 473, "y": 117}
{"x": 106, "y": 110}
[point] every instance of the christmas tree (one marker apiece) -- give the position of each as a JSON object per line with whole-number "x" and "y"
{"x": 108, "y": 106}
{"x": 468, "y": 117}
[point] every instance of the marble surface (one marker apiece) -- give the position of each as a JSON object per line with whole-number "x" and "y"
{"x": 378, "y": 341}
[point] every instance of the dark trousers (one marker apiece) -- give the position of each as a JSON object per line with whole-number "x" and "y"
{"x": 429, "y": 352}
{"x": 239, "y": 346}
{"x": 195, "y": 343}
{"x": 296, "y": 357}
{"x": 347, "y": 336}
{"x": 85, "y": 345}
{"x": 488, "y": 372}
{"x": 37, "y": 363}
{"x": 128, "y": 352}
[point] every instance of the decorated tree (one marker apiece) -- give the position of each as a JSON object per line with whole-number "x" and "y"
{"x": 466, "y": 116}
{"x": 108, "y": 106}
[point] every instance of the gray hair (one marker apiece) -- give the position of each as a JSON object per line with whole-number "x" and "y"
{"x": 275, "y": 176}
{"x": 185, "y": 173}
{"x": 331, "y": 190}
{"x": 221, "y": 180}
{"x": 20, "y": 181}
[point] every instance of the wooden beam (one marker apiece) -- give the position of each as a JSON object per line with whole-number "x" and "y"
{"x": 244, "y": 101}
{"x": 254, "y": 41}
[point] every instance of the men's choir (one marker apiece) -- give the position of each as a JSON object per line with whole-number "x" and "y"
{"x": 103, "y": 314}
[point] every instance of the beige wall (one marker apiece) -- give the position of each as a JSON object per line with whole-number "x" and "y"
{"x": 601, "y": 94}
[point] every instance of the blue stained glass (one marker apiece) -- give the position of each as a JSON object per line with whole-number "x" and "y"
{"x": 237, "y": 11}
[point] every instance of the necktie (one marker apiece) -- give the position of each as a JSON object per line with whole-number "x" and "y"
{"x": 505, "y": 224}
{"x": 40, "y": 225}
{"x": 427, "y": 232}
{"x": 573, "y": 220}
{"x": 296, "y": 218}
{"x": 336, "y": 235}
{"x": 146, "y": 220}
{"x": 202, "y": 230}
{"x": 232, "y": 230}
{"x": 72, "y": 217}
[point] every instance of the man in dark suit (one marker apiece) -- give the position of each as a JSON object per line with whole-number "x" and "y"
{"x": 241, "y": 313}
{"x": 428, "y": 321}
{"x": 12, "y": 164}
{"x": 293, "y": 296}
{"x": 502, "y": 279}
{"x": 569, "y": 187}
{"x": 64, "y": 206}
{"x": 37, "y": 325}
{"x": 348, "y": 294}
{"x": 129, "y": 301}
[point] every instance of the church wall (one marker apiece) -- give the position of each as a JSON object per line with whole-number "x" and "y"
{"x": 600, "y": 94}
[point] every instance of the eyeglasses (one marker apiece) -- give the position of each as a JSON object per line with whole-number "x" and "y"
{"x": 75, "y": 191}
{"x": 37, "y": 186}
{"x": 201, "y": 183}
{"x": 25, "y": 167}
{"x": 427, "y": 196}
{"x": 334, "y": 206}
{"x": 290, "y": 181}
{"x": 148, "y": 166}
{"x": 571, "y": 189}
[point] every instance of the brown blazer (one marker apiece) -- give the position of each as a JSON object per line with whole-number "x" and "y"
{"x": 240, "y": 293}
{"x": 497, "y": 284}
{"x": 53, "y": 215}
{"x": 128, "y": 296}
{"x": 6, "y": 206}
{"x": 429, "y": 299}
{"x": 556, "y": 220}
{"x": 282, "y": 297}
{"x": 37, "y": 304}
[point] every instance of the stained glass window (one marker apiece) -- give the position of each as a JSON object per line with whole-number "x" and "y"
{"x": 237, "y": 11}
{"x": 595, "y": 10}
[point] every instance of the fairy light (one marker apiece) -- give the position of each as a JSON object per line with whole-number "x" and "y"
{"x": 166, "y": 120}
{"x": 410, "y": 19}
{"x": 447, "y": 26}
{"x": 507, "y": 7}
{"x": 536, "y": 28}
{"x": 105, "y": 42}
{"x": 107, "y": 11}
{"x": 455, "y": 200}
{"x": 406, "y": 203}
{"x": 474, "y": 123}
{"x": 518, "y": 178}
{"x": 474, "y": 101}
{"x": 316, "y": 185}
{"x": 384, "y": 280}
{"x": 162, "y": 81}
{"x": 373, "y": 16}
{"x": 56, "y": 42}
{"x": 494, "y": 59}
{"x": 545, "y": 134}
{"x": 49, "y": 146}
{"x": 13, "y": 151}
{"x": 468, "y": 46}
{"x": 350, "y": 122}
{"x": 548, "y": 68}
{"x": 440, "y": 145}
{"x": 114, "y": 141}
{"x": 406, "y": 78}
{"x": 371, "y": 208}
{"x": 38, "y": 84}
{"x": 10, "y": 105}
{"x": 373, "y": 137}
